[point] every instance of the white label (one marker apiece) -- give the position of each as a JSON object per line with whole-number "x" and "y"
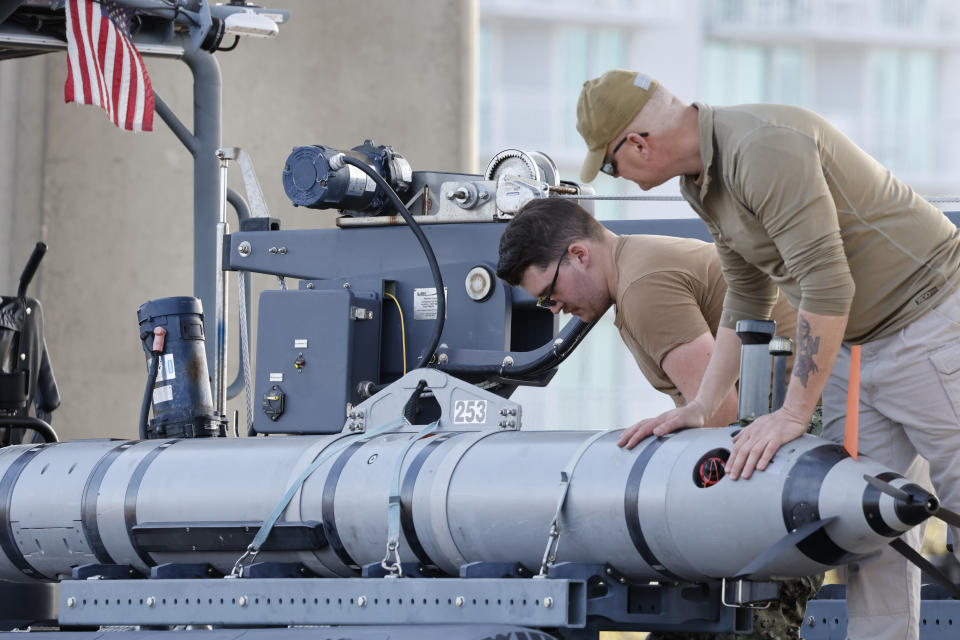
{"x": 162, "y": 394}
{"x": 425, "y": 303}
{"x": 300, "y": 343}
{"x": 642, "y": 81}
{"x": 511, "y": 201}
{"x": 159, "y": 370}
{"x": 358, "y": 181}
{"x": 169, "y": 371}
{"x": 469, "y": 411}
{"x": 276, "y": 377}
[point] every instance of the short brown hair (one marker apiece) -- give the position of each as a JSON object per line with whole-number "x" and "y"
{"x": 540, "y": 232}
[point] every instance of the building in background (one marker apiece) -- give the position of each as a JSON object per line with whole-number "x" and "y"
{"x": 880, "y": 70}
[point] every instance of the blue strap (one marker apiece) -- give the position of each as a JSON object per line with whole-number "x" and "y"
{"x": 566, "y": 476}
{"x": 254, "y": 548}
{"x": 393, "y": 504}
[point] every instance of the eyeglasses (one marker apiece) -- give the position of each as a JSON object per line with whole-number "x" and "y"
{"x": 544, "y": 302}
{"x": 609, "y": 166}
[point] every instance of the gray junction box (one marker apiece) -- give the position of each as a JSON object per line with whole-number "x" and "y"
{"x": 300, "y": 383}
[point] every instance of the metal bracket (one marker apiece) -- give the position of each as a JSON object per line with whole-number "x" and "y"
{"x": 276, "y": 570}
{"x": 251, "y": 184}
{"x": 178, "y": 570}
{"x": 748, "y": 594}
{"x": 495, "y": 570}
{"x": 103, "y": 572}
{"x": 614, "y": 603}
{"x": 326, "y": 601}
{"x": 463, "y": 406}
{"x": 515, "y": 191}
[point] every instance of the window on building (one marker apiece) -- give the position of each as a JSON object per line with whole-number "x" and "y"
{"x": 904, "y": 108}
{"x": 742, "y": 73}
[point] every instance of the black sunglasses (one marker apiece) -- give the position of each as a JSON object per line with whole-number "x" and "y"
{"x": 544, "y": 302}
{"x": 609, "y": 166}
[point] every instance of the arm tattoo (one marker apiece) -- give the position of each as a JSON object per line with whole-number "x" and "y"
{"x": 807, "y": 346}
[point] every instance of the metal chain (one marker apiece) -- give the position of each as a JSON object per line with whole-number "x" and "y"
{"x": 932, "y": 200}
{"x": 245, "y": 346}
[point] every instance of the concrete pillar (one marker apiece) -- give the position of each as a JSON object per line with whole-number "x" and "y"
{"x": 22, "y": 143}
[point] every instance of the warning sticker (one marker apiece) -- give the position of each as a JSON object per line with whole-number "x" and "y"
{"x": 425, "y": 303}
{"x": 162, "y": 394}
{"x": 169, "y": 371}
{"x": 165, "y": 368}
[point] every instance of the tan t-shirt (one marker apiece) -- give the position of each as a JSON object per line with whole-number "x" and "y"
{"x": 670, "y": 291}
{"x": 793, "y": 203}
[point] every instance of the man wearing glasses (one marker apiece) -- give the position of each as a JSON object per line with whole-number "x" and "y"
{"x": 792, "y": 202}
{"x": 668, "y": 296}
{"x": 668, "y": 292}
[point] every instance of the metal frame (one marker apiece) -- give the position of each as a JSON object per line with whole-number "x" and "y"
{"x": 578, "y": 600}
{"x": 826, "y": 615}
{"x": 282, "y": 601}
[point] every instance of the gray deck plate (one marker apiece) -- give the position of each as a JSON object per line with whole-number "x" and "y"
{"x": 279, "y": 601}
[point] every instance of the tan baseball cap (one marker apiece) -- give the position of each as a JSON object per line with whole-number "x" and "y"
{"x": 607, "y": 105}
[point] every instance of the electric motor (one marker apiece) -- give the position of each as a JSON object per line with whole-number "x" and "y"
{"x": 182, "y": 401}
{"x": 309, "y": 180}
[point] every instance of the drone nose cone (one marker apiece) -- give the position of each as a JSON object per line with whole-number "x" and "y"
{"x": 919, "y": 504}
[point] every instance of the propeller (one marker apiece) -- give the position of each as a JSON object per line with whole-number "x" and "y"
{"x": 931, "y": 504}
{"x": 926, "y": 566}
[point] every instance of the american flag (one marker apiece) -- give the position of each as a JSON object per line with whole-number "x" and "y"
{"x": 103, "y": 66}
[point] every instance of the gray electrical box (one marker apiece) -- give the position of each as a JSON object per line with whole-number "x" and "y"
{"x": 313, "y": 347}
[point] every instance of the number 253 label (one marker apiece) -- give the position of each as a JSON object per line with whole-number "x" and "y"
{"x": 469, "y": 411}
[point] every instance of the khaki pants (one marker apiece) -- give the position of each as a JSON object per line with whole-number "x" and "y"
{"x": 909, "y": 408}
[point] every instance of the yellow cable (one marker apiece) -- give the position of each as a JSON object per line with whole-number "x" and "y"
{"x": 403, "y": 331}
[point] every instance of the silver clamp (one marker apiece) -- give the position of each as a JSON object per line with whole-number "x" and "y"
{"x": 749, "y": 599}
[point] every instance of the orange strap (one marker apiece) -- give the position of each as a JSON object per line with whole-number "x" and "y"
{"x": 853, "y": 403}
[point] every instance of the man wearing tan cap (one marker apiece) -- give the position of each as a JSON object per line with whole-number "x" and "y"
{"x": 792, "y": 202}
{"x": 668, "y": 296}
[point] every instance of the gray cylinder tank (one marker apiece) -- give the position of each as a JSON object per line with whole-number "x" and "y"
{"x": 466, "y": 497}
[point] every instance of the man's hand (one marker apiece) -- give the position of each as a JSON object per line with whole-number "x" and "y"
{"x": 691, "y": 415}
{"x": 755, "y": 444}
{"x": 818, "y": 340}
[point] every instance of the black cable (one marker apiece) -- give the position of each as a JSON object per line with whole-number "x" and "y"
{"x": 427, "y": 354}
{"x": 39, "y": 426}
{"x": 571, "y": 335}
{"x": 148, "y": 395}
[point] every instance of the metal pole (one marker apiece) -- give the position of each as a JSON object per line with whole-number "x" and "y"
{"x": 780, "y": 348}
{"x": 206, "y": 128}
{"x": 220, "y": 357}
{"x": 754, "y": 398}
